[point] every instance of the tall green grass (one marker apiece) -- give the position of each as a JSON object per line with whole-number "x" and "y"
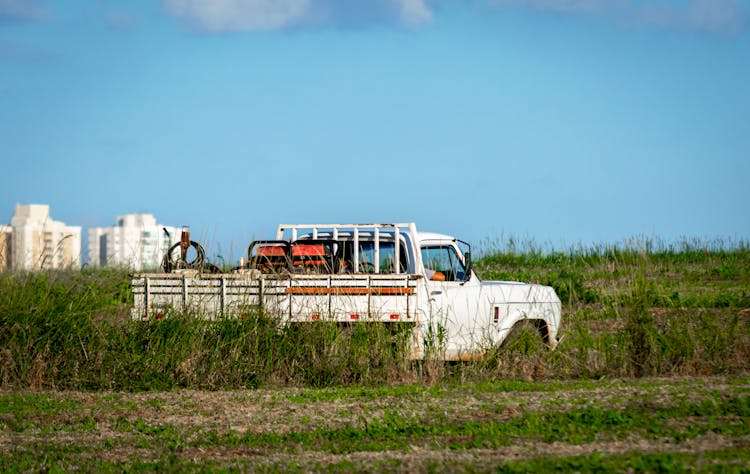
{"x": 73, "y": 330}
{"x": 644, "y": 307}
{"x": 643, "y": 310}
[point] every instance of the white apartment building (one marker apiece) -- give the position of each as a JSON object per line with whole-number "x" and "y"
{"x": 136, "y": 242}
{"x": 41, "y": 243}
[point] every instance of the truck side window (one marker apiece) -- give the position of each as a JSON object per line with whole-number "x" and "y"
{"x": 442, "y": 263}
{"x": 387, "y": 256}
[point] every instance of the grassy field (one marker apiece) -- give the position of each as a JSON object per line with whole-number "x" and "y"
{"x": 675, "y": 424}
{"x": 651, "y": 375}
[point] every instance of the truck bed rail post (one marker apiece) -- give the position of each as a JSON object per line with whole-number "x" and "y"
{"x": 396, "y": 250}
{"x": 146, "y": 302}
{"x": 355, "y": 250}
{"x": 406, "y": 283}
{"x": 223, "y": 295}
{"x": 376, "y": 257}
{"x": 184, "y": 292}
{"x": 290, "y": 282}
{"x": 261, "y": 289}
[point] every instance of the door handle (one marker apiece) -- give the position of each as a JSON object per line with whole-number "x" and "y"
{"x": 436, "y": 292}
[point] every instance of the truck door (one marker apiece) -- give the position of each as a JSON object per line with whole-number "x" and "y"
{"x": 453, "y": 302}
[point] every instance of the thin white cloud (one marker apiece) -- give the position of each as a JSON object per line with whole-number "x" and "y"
{"x": 239, "y": 15}
{"x": 258, "y": 15}
{"x": 414, "y": 12}
{"x": 712, "y": 16}
{"x": 20, "y": 10}
{"x": 589, "y": 7}
{"x": 715, "y": 16}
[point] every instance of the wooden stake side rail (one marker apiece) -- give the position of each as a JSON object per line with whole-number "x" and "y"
{"x": 387, "y": 298}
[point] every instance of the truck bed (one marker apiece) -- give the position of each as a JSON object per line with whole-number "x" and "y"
{"x": 295, "y": 298}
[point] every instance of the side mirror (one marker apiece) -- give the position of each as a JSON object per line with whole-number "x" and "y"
{"x": 467, "y": 264}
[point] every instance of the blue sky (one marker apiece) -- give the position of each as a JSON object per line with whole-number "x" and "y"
{"x": 564, "y": 121}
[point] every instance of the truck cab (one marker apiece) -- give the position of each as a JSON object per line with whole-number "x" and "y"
{"x": 463, "y": 313}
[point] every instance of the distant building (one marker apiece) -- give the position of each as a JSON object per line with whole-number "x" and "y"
{"x": 41, "y": 243}
{"x": 136, "y": 242}
{"x": 6, "y": 247}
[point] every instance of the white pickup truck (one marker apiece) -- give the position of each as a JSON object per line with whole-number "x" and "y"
{"x": 313, "y": 273}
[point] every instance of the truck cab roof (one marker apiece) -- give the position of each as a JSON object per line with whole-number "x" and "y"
{"x": 433, "y": 236}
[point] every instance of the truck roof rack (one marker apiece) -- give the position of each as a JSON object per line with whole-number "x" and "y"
{"x": 372, "y": 231}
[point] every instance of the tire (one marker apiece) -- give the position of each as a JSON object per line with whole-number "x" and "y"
{"x": 525, "y": 334}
